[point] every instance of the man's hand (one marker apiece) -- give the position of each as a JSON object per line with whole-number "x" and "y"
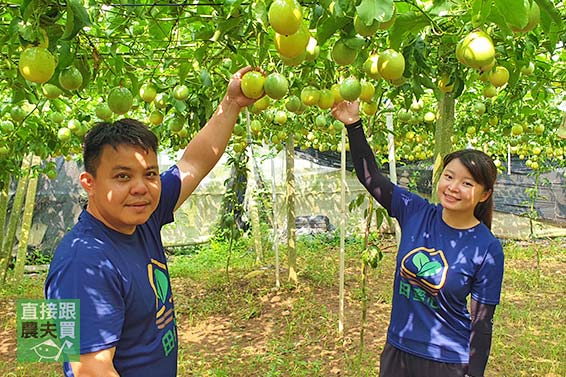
{"x": 96, "y": 364}
{"x": 234, "y": 92}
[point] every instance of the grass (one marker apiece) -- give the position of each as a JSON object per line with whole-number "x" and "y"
{"x": 530, "y": 337}
{"x": 235, "y": 323}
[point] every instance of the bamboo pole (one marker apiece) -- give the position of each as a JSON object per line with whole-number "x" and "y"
{"x": 4, "y": 192}
{"x": 27, "y": 219}
{"x": 17, "y": 205}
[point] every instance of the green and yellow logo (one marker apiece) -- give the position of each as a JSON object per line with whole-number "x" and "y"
{"x": 426, "y": 268}
{"x": 159, "y": 281}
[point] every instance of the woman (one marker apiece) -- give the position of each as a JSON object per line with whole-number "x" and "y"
{"x": 447, "y": 253}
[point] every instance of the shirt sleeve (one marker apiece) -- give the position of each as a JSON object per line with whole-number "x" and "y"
{"x": 486, "y": 287}
{"x": 170, "y": 190}
{"x": 480, "y": 337}
{"x": 405, "y": 203}
{"x": 93, "y": 280}
{"x": 365, "y": 164}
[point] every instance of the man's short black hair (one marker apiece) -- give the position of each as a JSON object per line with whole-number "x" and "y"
{"x": 124, "y": 131}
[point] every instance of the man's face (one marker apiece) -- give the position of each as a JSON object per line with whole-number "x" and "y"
{"x": 126, "y": 189}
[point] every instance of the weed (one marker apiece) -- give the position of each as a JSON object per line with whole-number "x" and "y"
{"x": 246, "y": 327}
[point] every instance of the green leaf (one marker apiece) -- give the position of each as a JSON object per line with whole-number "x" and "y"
{"x": 79, "y": 11}
{"x": 27, "y": 8}
{"x": 328, "y": 27}
{"x": 77, "y": 19}
{"x": 519, "y": 14}
{"x": 552, "y": 27}
{"x": 445, "y": 6}
{"x": 180, "y": 106}
{"x": 261, "y": 13}
{"x": 417, "y": 88}
{"x": 200, "y": 53}
{"x": 161, "y": 284}
{"x": 425, "y": 81}
{"x": 370, "y": 10}
{"x": 10, "y": 31}
{"x": 341, "y": 8}
{"x": 406, "y": 24}
{"x": 481, "y": 10}
{"x": 228, "y": 25}
{"x": 419, "y": 260}
{"x": 355, "y": 43}
{"x": 459, "y": 86}
{"x": 18, "y": 94}
{"x": 316, "y": 15}
{"x": 547, "y": 7}
{"x": 263, "y": 53}
{"x": 134, "y": 81}
{"x": 378, "y": 217}
{"x": 430, "y": 269}
{"x": 66, "y": 57}
{"x": 184, "y": 69}
{"x": 205, "y": 78}
{"x": 84, "y": 69}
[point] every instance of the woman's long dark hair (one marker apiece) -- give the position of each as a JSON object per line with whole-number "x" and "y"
{"x": 484, "y": 172}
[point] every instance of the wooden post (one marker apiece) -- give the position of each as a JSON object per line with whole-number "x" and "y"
{"x": 274, "y": 222}
{"x": 252, "y": 192}
{"x": 392, "y": 161}
{"x": 343, "y": 216}
{"x": 291, "y": 194}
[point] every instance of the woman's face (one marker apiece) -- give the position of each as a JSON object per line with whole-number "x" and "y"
{"x": 458, "y": 191}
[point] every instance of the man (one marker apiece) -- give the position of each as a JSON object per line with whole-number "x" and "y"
{"x": 113, "y": 258}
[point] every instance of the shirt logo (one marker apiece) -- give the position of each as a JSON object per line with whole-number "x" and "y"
{"x": 159, "y": 281}
{"x": 426, "y": 268}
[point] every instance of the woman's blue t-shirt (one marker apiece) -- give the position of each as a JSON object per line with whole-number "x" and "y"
{"x": 437, "y": 268}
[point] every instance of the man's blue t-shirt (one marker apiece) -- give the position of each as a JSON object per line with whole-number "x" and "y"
{"x": 437, "y": 268}
{"x": 124, "y": 289}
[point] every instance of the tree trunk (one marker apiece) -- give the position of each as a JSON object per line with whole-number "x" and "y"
{"x": 17, "y": 205}
{"x": 26, "y": 224}
{"x": 442, "y": 138}
{"x": 291, "y": 228}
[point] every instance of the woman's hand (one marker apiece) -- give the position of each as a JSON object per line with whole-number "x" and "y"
{"x": 347, "y": 112}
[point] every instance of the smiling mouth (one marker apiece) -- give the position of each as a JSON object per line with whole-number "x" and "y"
{"x": 138, "y": 205}
{"x": 451, "y": 198}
